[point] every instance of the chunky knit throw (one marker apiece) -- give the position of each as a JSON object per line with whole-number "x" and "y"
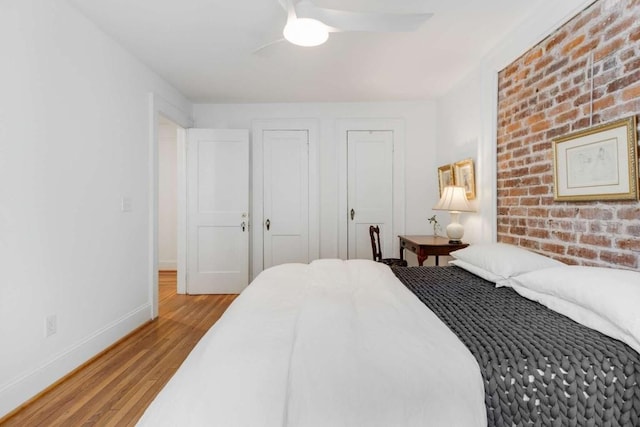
{"x": 539, "y": 367}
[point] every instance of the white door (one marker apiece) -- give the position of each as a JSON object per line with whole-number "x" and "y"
{"x": 217, "y": 211}
{"x": 369, "y": 191}
{"x": 285, "y": 197}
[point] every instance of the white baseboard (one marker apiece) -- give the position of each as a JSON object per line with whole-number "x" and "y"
{"x": 169, "y": 264}
{"x": 17, "y": 391}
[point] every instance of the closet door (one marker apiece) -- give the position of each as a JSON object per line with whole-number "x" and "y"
{"x": 217, "y": 211}
{"x": 369, "y": 191}
{"x": 285, "y": 197}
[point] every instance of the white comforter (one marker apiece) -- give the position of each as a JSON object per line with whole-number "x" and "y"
{"x": 332, "y": 343}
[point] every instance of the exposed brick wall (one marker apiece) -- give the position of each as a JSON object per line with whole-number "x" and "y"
{"x": 545, "y": 94}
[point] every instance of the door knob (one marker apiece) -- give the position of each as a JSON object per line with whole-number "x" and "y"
{"x": 243, "y": 225}
{"x": 353, "y": 214}
{"x": 267, "y": 224}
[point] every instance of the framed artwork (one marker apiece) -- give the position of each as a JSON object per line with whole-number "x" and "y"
{"x": 599, "y": 163}
{"x": 445, "y": 177}
{"x": 464, "y": 176}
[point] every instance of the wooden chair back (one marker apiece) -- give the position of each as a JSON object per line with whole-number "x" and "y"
{"x": 374, "y": 233}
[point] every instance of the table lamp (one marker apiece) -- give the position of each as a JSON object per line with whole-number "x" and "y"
{"x": 454, "y": 200}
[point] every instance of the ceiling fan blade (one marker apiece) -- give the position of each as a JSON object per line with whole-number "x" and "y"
{"x": 262, "y": 48}
{"x": 342, "y": 20}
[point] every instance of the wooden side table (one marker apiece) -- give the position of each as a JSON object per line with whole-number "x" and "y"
{"x": 423, "y": 246}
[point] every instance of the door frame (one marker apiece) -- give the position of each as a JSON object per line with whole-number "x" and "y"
{"x": 397, "y": 127}
{"x": 160, "y": 106}
{"x": 257, "y": 208}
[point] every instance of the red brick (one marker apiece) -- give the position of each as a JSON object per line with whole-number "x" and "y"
{"x": 632, "y": 212}
{"x": 629, "y": 244}
{"x": 578, "y": 252}
{"x": 609, "y": 49}
{"x": 538, "y": 233}
{"x": 555, "y": 40}
{"x": 566, "y": 117}
{"x": 584, "y": 50}
{"x": 553, "y": 248}
{"x": 543, "y": 168}
{"x": 539, "y": 190}
{"x": 619, "y": 259}
{"x": 564, "y": 236}
{"x": 538, "y": 212}
{"x": 603, "y": 103}
{"x": 535, "y": 118}
{"x": 532, "y": 56}
{"x": 541, "y": 126}
{"x": 568, "y": 94}
{"x": 595, "y": 213}
{"x": 632, "y": 65}
{"x": 585, "y": 19}
{"x": 563, "y": 212}
{"x": 632, "y": 92}
{"x": 518, "y": 191}
{"x": 619, "y": 28}
{"x": 513, "y": 127}
{"x": 623, "y": 82}
{"x": 543, "y": 63}
{"x": 566, "y": 48}
{"x": 509, "y": 71}
{"x": 530, "y": 201}
{"x": 531, "y": 244}
{"x": 530, "y": 181}
{"x": 604, "y": 241}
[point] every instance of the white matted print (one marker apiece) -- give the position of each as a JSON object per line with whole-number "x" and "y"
{"x": 445, "y": 177}
{"x": 465, "y": 177}
{"x": 597, "y": 164}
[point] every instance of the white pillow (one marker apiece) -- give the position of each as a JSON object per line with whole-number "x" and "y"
{"x": 486, "y": 275}
{"x": 609, "y": 298}
{"x": 503, "y": 261}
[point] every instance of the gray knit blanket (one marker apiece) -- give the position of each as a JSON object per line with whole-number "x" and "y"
{"x": 539, "y": 367}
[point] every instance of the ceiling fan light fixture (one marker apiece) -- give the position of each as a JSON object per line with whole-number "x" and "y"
{"x": 305, "y": 32}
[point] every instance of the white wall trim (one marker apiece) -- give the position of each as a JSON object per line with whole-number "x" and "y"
{"x": 258, "y": 127}
{"x": 167, "y": 264}
{"x": 159, "y": 106}
{"x": 181, "y": 199}
{"x": 20, "y": 389}
{"x": 397, "y": 126}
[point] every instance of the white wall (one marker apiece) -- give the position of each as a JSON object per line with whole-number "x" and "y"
{"x": 167, "y": 195}
{"x": 420, "y": 146}
{"x": 74, "y": 140}
{"x": 467, "y": 113}
{"x": 459, "y": 124}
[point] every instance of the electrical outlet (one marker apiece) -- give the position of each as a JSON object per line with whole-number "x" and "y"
{"x": 51, "y": 326}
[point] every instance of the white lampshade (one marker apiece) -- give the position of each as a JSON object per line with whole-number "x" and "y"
{"x": 454, "y": 200}
{"x": 305, "y": 32}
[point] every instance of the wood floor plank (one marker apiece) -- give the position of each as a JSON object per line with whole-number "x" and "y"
{"x": 115, "y": 388}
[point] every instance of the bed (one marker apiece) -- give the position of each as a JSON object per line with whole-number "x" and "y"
{"x": 355, "y": 343}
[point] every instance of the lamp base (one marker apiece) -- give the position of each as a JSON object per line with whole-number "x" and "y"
{"x": 455, "y": 230}
{"x": 455, "y": 242}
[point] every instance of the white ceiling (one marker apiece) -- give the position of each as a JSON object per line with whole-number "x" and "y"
{"x": 205, "y": 48}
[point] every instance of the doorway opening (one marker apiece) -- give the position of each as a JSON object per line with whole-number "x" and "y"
{"x": 167, "y": 224}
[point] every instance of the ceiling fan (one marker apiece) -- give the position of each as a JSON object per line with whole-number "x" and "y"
{"x": 310, "y": 25}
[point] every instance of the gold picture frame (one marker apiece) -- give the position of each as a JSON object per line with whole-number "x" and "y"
{"x": 599, "y": 163}
{"x": 464, "y": 176}
{"x": 445, "y": 177}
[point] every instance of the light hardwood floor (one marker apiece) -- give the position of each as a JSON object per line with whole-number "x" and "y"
{"x": 115, "y": 388}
